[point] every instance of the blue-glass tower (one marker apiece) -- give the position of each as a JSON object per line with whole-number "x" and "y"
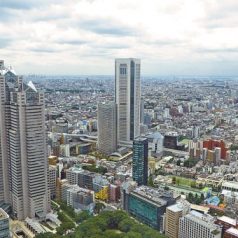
{"x": 140, "y": 160}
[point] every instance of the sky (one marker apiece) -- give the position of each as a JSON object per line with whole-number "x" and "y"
{"x": 171, "y": 37}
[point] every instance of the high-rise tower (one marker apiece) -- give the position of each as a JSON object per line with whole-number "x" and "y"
{"x": 127, "y": 95}
{"x": 107, "y": 131}
{"x": 23, "y": 157}
{"x": 140, "y": 161}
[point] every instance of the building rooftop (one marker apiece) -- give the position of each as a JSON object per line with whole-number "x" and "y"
{"x": 155, "y": 135}
{"x": 232, "y": 231}
{"x": 200, "y": 208}
{"x": 230, "y": 184}
{"x": 203, "y": 219}
{"x": 3, "y": 214}
{"x": 227, "y": 220}
{"x": 176, "y": 208}
{"x": 156, "y": 196}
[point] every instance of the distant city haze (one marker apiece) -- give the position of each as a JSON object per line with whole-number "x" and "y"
{"x": 83, "y": 37}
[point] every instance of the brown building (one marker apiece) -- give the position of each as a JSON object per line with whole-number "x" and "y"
{"x": 173, "y": 213}
{"x": 231, "y": 233}
{"x": 226, "y": 222}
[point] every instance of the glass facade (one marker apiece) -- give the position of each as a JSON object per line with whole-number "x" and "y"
{"x": 4, "y": 228}
{"x": 140, "y": 161}
{"x": 143, "y": 211}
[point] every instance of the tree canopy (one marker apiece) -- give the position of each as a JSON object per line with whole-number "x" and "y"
{"x": 108, "y": 224}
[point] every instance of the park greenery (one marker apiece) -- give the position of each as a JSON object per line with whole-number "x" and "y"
{"x": 189, "y": 163}
{"x": 195, "y": 199}
{"x": 109, "y": 224}
{"x": 93, "y": 168}
{"x": 180, "y": 181}
{"x": 234, "y": 147}
{"x": 150, "y": 181}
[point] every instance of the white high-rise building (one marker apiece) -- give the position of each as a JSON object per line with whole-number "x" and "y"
{"x": 107, "y": 130}
{"x": 128, "y": 98}
{"x": 197, "y": 225}
{"x": 23, "y": 154}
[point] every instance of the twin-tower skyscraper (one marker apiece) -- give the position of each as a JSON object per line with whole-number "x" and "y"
{"x": 23, "y": 154}
{"x": 125, "y": 120}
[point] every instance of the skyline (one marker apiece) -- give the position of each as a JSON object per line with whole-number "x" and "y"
{"x": 182, "y": 37}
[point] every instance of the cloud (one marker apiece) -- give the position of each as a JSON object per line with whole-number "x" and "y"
{"x": 72, "y": 41}
{"x": 15, "y": 4}
{"x": 85, "y": 36}
{"x": 107, "y": 27}
{"x": 218, "y": 50}
{"x": 4, "y": 42}
{"x": 26, "y": 4}
{"x": 43, "y": 50}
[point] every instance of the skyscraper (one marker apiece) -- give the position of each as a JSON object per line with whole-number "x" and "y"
{"x": 140, "y": 161}
{"x": 107, "y": 131}
{"x": 142, "y": 111}
{"x": 127, "y": 95}
{"x": 23, "y": 156}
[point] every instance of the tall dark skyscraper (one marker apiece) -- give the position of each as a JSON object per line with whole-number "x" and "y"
{"x": 140, "y": 160}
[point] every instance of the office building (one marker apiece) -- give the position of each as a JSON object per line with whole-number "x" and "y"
{"x": 107, "y": 130}
{"x": 23, "y": 153}
{"x": 83, "y": 178}
{"x": 156, "y": 143}
{"x": 198, "y": 225}
{"x": 147, "y": 204}
{"x": 171, "y": 140}
{"x": 128, "y": 98}
{"x": 4, "y": 224}
{"x": 52, "y": 180}
{"x": 142, "y": 110}
{"x": 173, "y": 214}
{"x": 114, "y": 193}
{"x": 80, "y": 198}
{"x": 140, "y": 160}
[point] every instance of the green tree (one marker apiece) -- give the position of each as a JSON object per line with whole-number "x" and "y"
{"x": 82, "y": 216}
{"x": 150, "y": 181}
{"x": 99, "y": 207}
{"x": 126, "y": 224}
{"x": 132, "y": 234}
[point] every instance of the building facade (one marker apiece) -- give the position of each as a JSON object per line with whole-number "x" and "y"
{"x": 128, "y": 98}
{"x": 107, "y": 130}
{"x": 4, "y": 224}
{"x": 52, "y": 180}
{"x": 148, "y": 205}
{"x": 173, "y": 214}
{"x": 23, "y": 153}
{"x": 80, "y": 198}
{"x": 140, "y": 161}
{"x": 198, "y": 225}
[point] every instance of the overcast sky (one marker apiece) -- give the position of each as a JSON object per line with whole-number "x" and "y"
{"x": 172, "y": 37}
